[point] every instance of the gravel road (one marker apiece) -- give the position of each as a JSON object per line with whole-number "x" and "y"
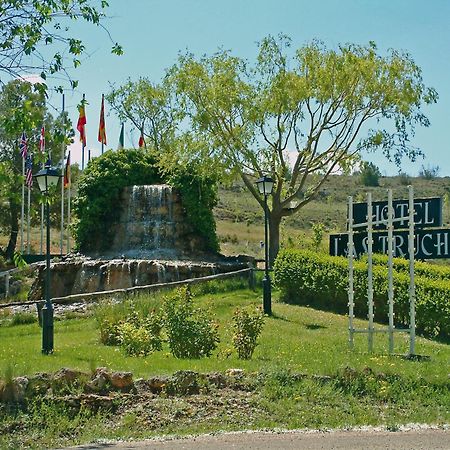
{"x": 426, "y": 439}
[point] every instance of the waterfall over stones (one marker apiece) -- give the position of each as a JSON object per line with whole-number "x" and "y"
{"x": 153, "y": 224}
{"x": 153, "y": 243}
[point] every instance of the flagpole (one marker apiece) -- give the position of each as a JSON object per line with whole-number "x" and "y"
{"x": 63, "y": 155}
{"x": 42, "y": 149}
{"x": 22, "y": 211}
{"x": 103, "y": 103}
{"x": 82, "y": 142}
{"x": 28, "y": 221}
{"x": 69, "y": 187}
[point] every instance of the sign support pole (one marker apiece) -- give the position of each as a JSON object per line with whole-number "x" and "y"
{"x": 369, "y": 271}
{"x": 412, "y": 288}
{"x": 350, "y": 272}
{"x": 390, "y": 227}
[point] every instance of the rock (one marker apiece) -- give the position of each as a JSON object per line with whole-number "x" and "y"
{"x": 101, "y": 381}
{"x": 236, "y": 373}
{"x": 14, "y": 391}
{"x": 157, "y": 384}
{"x": 38, "y": 385}
{"x": 183, "y": 382}
{"x": 65, "y": 379}
{"x": 217, "y": 379}
{"x": 122, "y": 380}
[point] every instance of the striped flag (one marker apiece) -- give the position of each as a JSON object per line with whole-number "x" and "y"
{"x": 101, "y": 127}
{"x": 121, "y": 137}
{"x": 29, "y": 171}
{"x": 42, "y": 140}
{"x": 67, "y": 172}
{"x": 81, "y": 124}
{"x": 23, "y": 146}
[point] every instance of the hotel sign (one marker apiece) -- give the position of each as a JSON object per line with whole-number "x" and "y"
{"x": 427, "y": 213}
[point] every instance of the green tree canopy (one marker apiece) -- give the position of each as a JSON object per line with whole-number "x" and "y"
{"x": 295, "y": 115}
{"x": 41, "y": 29}
{"x": 301, "y": 115}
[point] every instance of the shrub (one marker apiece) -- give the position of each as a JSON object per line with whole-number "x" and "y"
{"x": 369, "y": 174}
{"x": 23, "y": 318}
{"x": 321, "y": 281}
{"x": 318, "y": 230}
{"x": 429, "y": 173}
{"x": 247, "y": 326}
{"x": 137, "y": 340}
{"x": 191, "y": 333}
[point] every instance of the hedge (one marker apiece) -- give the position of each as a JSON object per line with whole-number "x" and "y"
{"x": 321, "y": 281}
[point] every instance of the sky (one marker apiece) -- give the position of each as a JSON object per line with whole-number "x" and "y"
{"x": 153, "y": 32}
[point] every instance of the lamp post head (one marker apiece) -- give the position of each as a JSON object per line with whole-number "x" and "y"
{"x": 47, "y": 177}
{"x": 265, "y": 185}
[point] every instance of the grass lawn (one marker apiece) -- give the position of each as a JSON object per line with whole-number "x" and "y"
{"x": 295, "y": 338}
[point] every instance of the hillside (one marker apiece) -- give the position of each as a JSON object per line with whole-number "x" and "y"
{"x": 240, "y": 220}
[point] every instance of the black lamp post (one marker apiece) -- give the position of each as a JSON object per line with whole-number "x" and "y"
{"x": 47, "y": 177}
{"x": 265, "y": 186}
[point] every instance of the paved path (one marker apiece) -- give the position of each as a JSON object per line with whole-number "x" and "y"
{"x": 426, "y": 439}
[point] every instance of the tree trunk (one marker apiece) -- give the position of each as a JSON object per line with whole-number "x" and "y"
{"x": 274, "y": 236}
{"x": 14, "y": 209}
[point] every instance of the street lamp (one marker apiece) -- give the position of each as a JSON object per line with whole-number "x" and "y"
{"x": 47, "y": 178}
{"x": 265, "y": 186}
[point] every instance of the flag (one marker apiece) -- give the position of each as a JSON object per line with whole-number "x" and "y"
{"x": 141, "y": 140}
{"x": 23, "y": 146}
{"x": 42, "y": 140}
{"x": 121, "y": 137}
{"x": 29, "y": 171}
{"x": 101, "y": 127}
{"x": 81, "y": 124}
{"x": 67, "y": 172}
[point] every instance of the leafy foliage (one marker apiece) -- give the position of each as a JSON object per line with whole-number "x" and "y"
{"x": 247, "y": 326}
{"x": 321, "y": 281}
{"x": 316, "y": 102}
{"x": 30, "y": 26}
{"x": 104, "y": 178}
{"x": 191, "y": 333}
{"x": 369, "y": 174}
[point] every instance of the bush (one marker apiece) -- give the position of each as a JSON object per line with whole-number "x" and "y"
{"x": 429, "y": 173}
{"x": 191, "y": 333}
{"x": 370, "y": 174}
{"x": 23, "y": 318}
{"x": 247, "y": 326}
{"x": 321, "y": 281}
{"x": 137, "y": 336}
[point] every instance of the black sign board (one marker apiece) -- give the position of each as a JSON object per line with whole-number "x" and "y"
{"x": 428, "y": 244}
{"x": 427, "y": 213}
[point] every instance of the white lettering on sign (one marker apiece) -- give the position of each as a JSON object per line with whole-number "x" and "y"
{"x": 422, "y": 244}
{"x": 442, "y": 244}
{"x": 399, "y": 241}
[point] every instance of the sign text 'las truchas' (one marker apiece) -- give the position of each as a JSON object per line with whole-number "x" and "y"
{"x": 427, "y": 213}
{"x": 428, "y": 244}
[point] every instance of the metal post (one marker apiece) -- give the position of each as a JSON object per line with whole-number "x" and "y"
{"x": 412, "y": 287}
{"x": 63, "y": 154}
{"x": 47, "y": 310}
{"x": 42, "y": 229}
{"x": 369, "y": 272}
{"x": 267, "y": 294}
{"x": 350, "y": 272}
{"x": 390, "y": 227}
{"x": 7, "y": 276}
{"x": 28, "y": 220}
{"x": 22, "y": 210}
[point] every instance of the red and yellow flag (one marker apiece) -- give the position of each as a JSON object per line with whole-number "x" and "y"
{"x": 67, "y": 172}
{"x": 81, "y": 124}
{"x": 101, "y": 127}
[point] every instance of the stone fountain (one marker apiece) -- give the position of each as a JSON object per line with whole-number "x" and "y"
{"x": 153, "y": 243}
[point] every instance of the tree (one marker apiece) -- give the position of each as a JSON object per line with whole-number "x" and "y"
{"x": 41, "y": 29}
{"x": 301, "y": 117}
{"x": 369, "y": 174}
{"x": 22, "y": 109}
